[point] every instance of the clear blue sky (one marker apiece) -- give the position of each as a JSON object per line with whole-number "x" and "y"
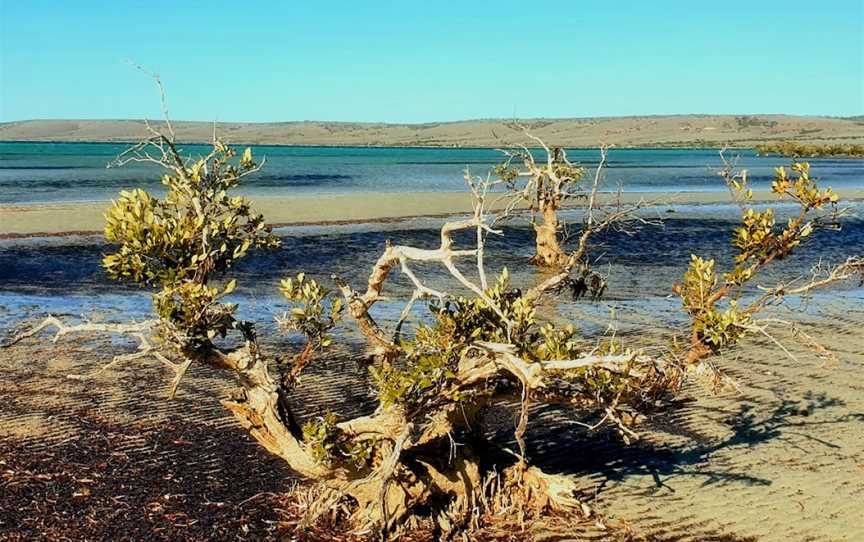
{"x": 415, "y": 61}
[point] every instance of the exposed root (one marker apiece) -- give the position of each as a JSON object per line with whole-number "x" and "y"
{"x": 525, "y": 490}
{"x": 461, "y": 502}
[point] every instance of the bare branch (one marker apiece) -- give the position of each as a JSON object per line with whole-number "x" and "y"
{"x": 393, "y": 255}
{"x": 135, "y": 328}
{"x": 852, "y": 267}
{"x": 533, "y": 374}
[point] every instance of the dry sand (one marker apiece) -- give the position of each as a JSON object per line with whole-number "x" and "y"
{"x": 64, "y": 218}
{"x": 784, "y": 461}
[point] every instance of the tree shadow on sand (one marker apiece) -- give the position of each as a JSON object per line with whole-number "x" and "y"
{"x": 605, "y": 458}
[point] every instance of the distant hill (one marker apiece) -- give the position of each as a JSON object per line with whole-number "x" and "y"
{"x": 648, "y": 131}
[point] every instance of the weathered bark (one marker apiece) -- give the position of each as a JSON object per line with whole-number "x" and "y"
{"x": 548, "y": 250}
{"x": 409, "y": 470}
{"x": 259, "y": 408}
{"x": 385, "y": 495}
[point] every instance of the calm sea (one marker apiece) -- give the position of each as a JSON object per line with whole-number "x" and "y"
{"x": 56, "y": 172}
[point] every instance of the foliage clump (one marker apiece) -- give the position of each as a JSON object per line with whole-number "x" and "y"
{"x": 314, "y": 312}
{"x": 433, "y": 355}
{"x": 327, "y": 443}
{"x": 804, "y": 150}
{"x": 181, "y": 242}
{"x": 759, "y": 241}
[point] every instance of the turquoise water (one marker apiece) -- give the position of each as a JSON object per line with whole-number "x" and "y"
{"x": 58, "y": 172}
{"x": 64, "y": 275}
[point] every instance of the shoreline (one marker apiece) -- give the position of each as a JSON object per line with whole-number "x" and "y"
{"x": 660, "y": 146}
{"x": 76, "y": 218}
{"x": 648, "y": 146}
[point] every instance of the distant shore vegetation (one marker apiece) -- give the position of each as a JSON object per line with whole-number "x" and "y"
{"x": 804, "y": 150}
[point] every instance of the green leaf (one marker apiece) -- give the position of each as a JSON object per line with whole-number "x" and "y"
{"x": 246, "y": 159}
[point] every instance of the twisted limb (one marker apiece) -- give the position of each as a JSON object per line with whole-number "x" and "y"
{"x": 140, "y": 331}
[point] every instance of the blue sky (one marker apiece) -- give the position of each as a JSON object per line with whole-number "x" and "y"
{"x": 429, "y": 61}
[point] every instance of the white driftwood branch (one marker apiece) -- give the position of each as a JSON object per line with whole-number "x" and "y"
{"x": 402, "y": 255}
{"x": 87, "y": 327}
{"x": 850, "y": 268}
{"x": 500, "y": 356}
{"x": 136, "y": 330}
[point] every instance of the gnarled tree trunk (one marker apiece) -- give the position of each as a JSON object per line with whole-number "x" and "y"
{"x": 548, "y": 250}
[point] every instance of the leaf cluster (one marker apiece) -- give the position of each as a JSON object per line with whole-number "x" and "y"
{"x": 180, "y": 242}
{"x": 327, "y": 443}
{"x": 431, "y": 357}
{"x": 759, "y": 241}
{"x": 466, "y": 320}
{"x": 193, "y": 313}
{"x": 424, "y": 377}
{"x": 314, "y": 313}
{"x": 197, "y": 229}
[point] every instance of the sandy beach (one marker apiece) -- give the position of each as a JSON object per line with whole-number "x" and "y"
{"x": 781, "y": 462}
{"x": 67, "y": 218}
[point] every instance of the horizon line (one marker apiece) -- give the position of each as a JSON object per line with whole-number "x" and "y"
{"x": 421, "y": 123}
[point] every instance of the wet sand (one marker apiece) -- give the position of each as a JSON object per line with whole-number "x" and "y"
{"x": 68, "y": 218}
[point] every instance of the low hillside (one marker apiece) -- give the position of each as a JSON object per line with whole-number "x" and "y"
{"x": 654, "y": 131}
